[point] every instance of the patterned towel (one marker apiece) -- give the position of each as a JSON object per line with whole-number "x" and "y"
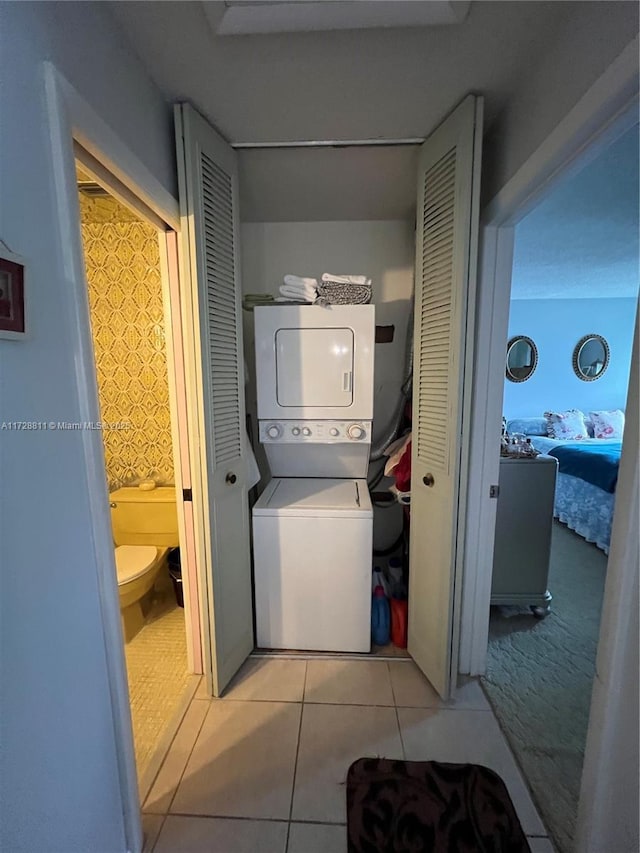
{"x": 339, "y": 293}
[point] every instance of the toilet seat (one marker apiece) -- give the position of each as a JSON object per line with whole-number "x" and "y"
{"x": 132, "y": 561}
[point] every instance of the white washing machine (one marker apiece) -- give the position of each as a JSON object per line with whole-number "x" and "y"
{"x": 312, "y": 540}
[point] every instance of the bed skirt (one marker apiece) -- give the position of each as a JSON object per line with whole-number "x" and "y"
{"x": 585, "y": 508}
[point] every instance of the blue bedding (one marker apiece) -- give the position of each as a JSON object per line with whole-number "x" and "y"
{"x": 595, "y": 465}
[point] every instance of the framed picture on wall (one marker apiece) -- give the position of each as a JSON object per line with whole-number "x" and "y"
{"x": 12, "y": 313}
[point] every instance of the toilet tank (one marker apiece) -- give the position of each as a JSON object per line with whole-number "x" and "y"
{"x": 141, "y": 517}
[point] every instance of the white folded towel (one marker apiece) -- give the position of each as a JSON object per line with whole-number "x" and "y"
{"x": 297, "y": 295}
{"x": 302, "y": 293}
{"x": 297, "y": 281}
{"x": 346, "y": 279}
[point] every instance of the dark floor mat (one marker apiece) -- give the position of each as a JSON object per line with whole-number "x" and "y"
{"x": 429, "y": 807}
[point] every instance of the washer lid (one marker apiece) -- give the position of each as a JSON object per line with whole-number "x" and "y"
{"x": 133, "y": 561}
{"x": 315, "y": 497}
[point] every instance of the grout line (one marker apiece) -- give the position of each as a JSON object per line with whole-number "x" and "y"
{"x": 434, "y": 707}
{"x": 155, "y": 843}
{"x": 393, "y": 692}
{"x": 395, "y": 708}
{"x": 175, "y": 724}
{"x": 228, "y": 701}
{"x": 186, "y": 763}
{"x": 266, "y": 819}
{"x": 351, "y": 704}
{"x": 262, "y": 819}
{"x": 295, "y": 765}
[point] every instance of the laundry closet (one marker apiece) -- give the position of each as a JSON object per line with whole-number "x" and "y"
{"x": 244, "y": 228}
{"x": 386, "y": 250}
{"x": 313, "y": 524}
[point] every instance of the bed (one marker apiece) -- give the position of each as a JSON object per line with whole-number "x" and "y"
{"x": 585, "y": 486}
{"x": 587, "y": 477}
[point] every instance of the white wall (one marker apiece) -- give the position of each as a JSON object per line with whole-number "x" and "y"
{"x": 608, "y": 813}
{"x": 548, "y": 88}
{"x": 608, "y": 816}
{"x": 382, "y": 250}
{"x": 60, "y": 787}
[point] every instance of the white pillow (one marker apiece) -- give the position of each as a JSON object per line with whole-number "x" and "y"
{"x": 608, "y": 424}
{"x": 567, "y": 425}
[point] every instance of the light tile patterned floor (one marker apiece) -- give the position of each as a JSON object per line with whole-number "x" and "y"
{"x": 263, "y": 769}
{"x": 157, "y": 675}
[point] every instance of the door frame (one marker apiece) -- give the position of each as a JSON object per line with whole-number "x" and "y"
{"x": 73, "y": 123}
{"x": 175, "y": 344}
{"x": 605, "y": 112}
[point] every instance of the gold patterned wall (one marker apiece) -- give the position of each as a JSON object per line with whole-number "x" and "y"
{"x": 127, "y": 321}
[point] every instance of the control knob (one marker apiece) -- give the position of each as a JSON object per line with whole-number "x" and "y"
{"x": 295, "y": 431}
{"x": 306, "y": 431}
{"x": 355, "y": 431}
{"x": 274, "y": 431}
{"x": 334, "y": 431}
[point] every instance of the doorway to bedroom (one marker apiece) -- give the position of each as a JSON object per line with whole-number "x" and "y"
{"x": 573, "y": 305}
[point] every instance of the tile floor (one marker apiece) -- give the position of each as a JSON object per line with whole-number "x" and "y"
{"x": 262, "y": 770}
{"x": 157, "y": 675}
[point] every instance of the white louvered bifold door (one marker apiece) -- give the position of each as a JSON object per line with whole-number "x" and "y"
{"x": 209, "y": 219}
{"x": 446, "y": 253}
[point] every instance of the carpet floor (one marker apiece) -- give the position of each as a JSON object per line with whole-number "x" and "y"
{"x": 539, "y": 679}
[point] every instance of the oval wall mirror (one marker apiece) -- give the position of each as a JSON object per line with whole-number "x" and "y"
{"x": 590, "y": 357}
{"x": 522, "y": 358}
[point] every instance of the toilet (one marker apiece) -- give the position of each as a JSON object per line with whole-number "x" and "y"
{"x": 145, "y": 527}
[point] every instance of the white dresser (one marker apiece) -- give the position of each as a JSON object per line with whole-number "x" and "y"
{"x": 523, "y": 532}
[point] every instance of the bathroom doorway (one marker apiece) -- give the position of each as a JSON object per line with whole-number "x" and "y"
{"x": 131, "y": 275}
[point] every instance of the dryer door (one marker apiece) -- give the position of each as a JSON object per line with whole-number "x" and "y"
{"x": 315, "y": 363}
{"x": 314, "y": 367}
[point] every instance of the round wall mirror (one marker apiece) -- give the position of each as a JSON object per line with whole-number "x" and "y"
{"x": 522, "y": 358}
{"x": 590, "y": 357}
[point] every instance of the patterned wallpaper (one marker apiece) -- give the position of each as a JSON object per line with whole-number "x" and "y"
{"x": 125, "y": 299}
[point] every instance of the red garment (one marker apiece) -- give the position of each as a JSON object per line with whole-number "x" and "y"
{"x": 402, "y": 471}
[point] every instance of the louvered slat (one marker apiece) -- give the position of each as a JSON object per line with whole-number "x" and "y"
{"x": 217, "y": 213}
{"x": 436, "y": 311}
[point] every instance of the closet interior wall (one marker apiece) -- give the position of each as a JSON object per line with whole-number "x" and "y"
{"x": 383, "y": 250}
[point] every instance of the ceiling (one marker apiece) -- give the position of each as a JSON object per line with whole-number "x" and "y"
{"x": 582, "y": 240}
{"x": 351, "y": 84}
{"x": 347, "y": 84}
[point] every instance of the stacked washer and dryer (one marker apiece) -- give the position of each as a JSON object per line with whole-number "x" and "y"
{"x": 313, "y": 524}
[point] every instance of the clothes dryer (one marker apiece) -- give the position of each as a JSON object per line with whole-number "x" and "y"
{"x": 315, "y": 363}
